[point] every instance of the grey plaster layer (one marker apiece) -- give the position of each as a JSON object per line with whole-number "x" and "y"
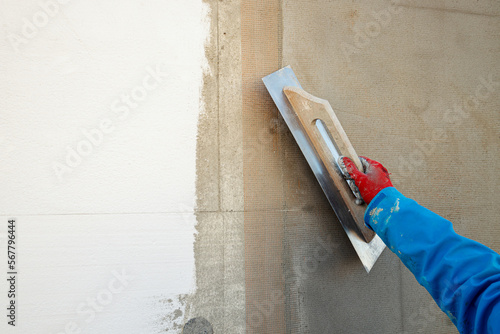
{"x": 219, "y": 248}
{"x": 220, "y": 292}
{"x": 208, "y": 300}
{"x": 405, "y": 87}
{"x": 220, "y": 149}
{"x": 207, "y": 148}
{"x": 230, "y": 106}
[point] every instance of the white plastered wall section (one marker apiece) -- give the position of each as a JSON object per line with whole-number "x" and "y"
{"x": 100, "y": 105}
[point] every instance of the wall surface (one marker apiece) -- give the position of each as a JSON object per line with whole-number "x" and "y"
{"x": 417, "y": 87}
{"x": 153, "y": 180}
{"x": 410, "y": 85}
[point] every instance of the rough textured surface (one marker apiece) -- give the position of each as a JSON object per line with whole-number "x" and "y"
{"x": 263, "y": 179}
{"x": 402, "y": 90}
{"x": 392, "y": 95}
{"x": 219, "y": 249}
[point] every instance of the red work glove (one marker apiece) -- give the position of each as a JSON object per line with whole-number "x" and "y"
{"x": 375, "y": 178}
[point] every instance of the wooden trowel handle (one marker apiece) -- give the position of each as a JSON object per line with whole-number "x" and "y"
{"x": 310, "y": 110}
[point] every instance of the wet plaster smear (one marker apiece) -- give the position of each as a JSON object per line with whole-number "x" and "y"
{"x": 99, "y": 113}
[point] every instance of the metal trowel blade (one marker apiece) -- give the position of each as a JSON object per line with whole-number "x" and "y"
{"x": 275, "y": 82}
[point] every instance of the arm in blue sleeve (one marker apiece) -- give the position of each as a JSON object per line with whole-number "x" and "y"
{"x": 462, "y": 275}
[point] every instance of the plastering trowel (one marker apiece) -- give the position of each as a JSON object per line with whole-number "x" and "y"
{"x": 323, "y": 141}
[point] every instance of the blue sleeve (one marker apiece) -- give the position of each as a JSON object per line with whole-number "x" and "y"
{"x": 462, "y": 275}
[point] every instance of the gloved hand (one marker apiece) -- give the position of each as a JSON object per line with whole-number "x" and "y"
{"x": 374, "y": 179}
